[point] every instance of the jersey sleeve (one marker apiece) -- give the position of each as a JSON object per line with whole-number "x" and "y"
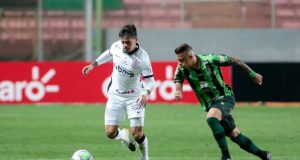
{"x": 147, "y": 71}
{"x": 115, "y": 47}
{"x": 179, "y": 75}
{"x": 221, "y": 59}
{"x": 104, "y": 57}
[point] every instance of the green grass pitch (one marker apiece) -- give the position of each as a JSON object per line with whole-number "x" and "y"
{"x": 175, "y": 132}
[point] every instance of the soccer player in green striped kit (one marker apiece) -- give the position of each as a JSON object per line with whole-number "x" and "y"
{"x": 204, "y": 76}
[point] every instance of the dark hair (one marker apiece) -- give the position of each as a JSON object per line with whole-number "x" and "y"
{"x": 183, "y": 48}
{"x": 128, "y": 30}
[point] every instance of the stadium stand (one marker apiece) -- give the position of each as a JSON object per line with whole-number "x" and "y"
{"x": 63, "y": 33}
{"x": 15, "y": 29}
{"x": 146, "y": 14}
{"x": 64, "y": 30}
{"x": 229, "y": 14}
{"x": 288, "y": 13}
{"x": 197, "y": 13}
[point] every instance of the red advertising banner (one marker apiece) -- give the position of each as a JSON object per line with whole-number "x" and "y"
{"x": 63, "y": 82}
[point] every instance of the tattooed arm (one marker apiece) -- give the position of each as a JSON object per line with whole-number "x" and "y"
{"x": 257, "y": 78}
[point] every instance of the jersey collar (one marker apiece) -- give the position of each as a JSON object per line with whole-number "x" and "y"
{"x": 136, "y": 49}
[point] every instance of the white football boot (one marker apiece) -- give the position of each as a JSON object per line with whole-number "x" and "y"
{"x": 127, "y": 140}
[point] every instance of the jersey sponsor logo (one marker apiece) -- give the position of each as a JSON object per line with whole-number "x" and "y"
{"x": 124, "y": 71}
{"x": 125, "y": 92}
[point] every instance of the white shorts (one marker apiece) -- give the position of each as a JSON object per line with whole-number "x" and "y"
{"x": 117, "y": 107}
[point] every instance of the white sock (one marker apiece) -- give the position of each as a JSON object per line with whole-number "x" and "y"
{"x": 122, "y": 137}
{"x": 144, "y": 149}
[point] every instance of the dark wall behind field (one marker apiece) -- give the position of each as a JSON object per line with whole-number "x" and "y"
{"x": 281, "y": 82}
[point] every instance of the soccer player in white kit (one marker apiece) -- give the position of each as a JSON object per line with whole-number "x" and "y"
{"x": 126, "y": 93}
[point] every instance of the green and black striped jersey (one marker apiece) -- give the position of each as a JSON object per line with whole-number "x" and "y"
{"x": 207, "y": 82}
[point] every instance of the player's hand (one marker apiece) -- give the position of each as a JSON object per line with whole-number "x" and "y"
{"x": 178, "y": 95}
{"x": 142, "y": 100}
{"x": 87, "y": 69}
{"x": 258, "y": 79}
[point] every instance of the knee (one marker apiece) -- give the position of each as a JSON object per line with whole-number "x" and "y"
{"x": 137, "y": 134}
{"x": 235, "y": 132}
{"x": 110, "y": 133}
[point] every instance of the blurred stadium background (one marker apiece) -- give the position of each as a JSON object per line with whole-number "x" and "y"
{"x": 45, "y": 43}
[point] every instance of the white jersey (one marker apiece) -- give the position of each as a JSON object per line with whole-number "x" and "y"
{"x": 128, "y": 69}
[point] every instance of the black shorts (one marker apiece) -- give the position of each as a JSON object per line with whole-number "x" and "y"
{"x": 226, "y": 105}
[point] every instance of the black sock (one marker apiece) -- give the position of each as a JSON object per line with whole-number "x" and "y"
{"x": 141, "y": 140}
{"x": 246, "y": 144}
{"x": 219, "y": 134}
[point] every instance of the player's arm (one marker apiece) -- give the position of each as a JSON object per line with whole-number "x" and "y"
{"x": 178, "y": 92}
{"x": 149, "y": 87}
{"x": 103, "y": 58}
{"x": 178, "y": 80}
{"x": 220, "y": 60}
{"x": 257, "y": 78}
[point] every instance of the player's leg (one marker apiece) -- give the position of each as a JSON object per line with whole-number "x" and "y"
{"x": 220, "y": 109}
{"x": 246, "y": 144}
{"x": 114, "y": 132}
{"x": 213, "y": 117}
{"x": 136, "y": 116}
{"x": 114, "y": 114}
{"x": 136, "y": 125}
